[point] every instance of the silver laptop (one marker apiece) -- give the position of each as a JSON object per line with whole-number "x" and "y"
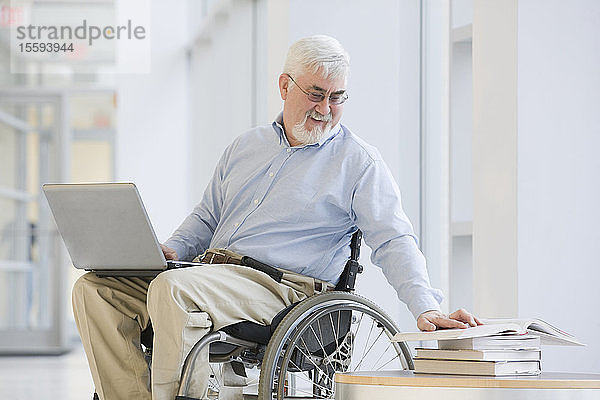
{"x": 106, "y": 229}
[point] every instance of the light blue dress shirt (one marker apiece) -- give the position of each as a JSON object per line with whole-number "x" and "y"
{"x": 297, "y": 207}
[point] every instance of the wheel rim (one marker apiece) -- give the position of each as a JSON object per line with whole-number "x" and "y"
{"x": 321, "y": 344}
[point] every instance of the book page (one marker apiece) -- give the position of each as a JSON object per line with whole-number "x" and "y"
{"x": 549, "y": 334}
{"x": 549, "y": 339}
{"x": 523, "y": 323}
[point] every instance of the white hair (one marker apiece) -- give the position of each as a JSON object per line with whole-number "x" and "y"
{"x": 318, "y": 53}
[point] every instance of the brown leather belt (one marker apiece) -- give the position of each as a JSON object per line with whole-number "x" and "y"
{"x": 220, "y": 257}
{"x": 224, "y": 256}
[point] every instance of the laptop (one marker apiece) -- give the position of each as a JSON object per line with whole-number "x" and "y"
{"x": 106, "y": 229}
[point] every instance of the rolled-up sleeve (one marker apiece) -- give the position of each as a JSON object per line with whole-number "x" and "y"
{"x": 377, "y": 211}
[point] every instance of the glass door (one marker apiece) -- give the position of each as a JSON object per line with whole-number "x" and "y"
{"x": 32, "y": 275}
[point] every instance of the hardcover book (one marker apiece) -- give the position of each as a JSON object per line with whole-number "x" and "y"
{"x": 487, "y": 368}
{"x": 498, "y": 342}
{"x": 484, "y": 355}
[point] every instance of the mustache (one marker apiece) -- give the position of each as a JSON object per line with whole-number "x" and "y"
{"x": 318, "y": 116}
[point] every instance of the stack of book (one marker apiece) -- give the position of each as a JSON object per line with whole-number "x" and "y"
{"x": 500, "y": 347}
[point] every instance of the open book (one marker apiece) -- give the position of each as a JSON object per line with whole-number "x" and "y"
{"x": 498, "y": 326}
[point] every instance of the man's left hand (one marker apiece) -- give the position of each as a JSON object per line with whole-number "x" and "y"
{"x": 432, "y": 320}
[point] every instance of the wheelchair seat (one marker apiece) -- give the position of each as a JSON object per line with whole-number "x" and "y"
{"x": 253, "y": 332}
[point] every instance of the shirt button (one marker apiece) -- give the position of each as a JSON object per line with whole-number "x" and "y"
{"x": 289, "y": 150}
{"x": 256, "y": 201}
{"x": 271, "y": 174}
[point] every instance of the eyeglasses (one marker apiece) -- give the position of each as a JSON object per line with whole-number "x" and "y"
{"x": 335, "y": 99}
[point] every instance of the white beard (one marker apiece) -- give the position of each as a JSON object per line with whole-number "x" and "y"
{"x": 305, "y": 136}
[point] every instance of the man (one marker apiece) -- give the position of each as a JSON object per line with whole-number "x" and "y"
{"x": 290, "y": 195}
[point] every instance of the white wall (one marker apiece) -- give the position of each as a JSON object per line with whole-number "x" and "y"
{"x": 558, "y": 142}
{"x": 536, "y": 134}
{"x": 152, "y": 121}
{"x": 494, "y": 158}
{"x": 221, "y": 97}
{"x": 435, "y": 144}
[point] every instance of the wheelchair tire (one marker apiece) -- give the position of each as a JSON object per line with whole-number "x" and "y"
{"x": 328, "y": 333}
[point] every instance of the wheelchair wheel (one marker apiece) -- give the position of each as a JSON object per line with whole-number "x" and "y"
{"x": 328, "y": 333}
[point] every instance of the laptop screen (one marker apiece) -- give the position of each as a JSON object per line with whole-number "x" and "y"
{"x": 105, "y": 226}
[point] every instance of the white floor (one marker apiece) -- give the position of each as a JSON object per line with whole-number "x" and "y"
{"x": 63, "y": 377}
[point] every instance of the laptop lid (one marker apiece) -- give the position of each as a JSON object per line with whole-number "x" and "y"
{"x": 105, "y": 226}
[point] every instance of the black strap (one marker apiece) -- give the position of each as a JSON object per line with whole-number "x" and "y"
{"x": 352, "y": 268}
{"x": 267, "y": 269}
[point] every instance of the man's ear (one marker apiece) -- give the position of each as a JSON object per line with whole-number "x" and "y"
{"x": 284, "y": 86}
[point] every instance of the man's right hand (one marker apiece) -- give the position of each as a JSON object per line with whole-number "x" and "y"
{"x": 432, "y": 320}
{"x": 169, "y": 253}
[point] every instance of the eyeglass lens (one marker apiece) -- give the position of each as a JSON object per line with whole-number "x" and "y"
{"x": 334, "y": 99}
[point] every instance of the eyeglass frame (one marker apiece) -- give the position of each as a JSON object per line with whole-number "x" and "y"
{"x": 320, "y": 96}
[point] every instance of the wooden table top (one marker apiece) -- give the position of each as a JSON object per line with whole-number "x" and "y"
{"x": 546, "y": 380}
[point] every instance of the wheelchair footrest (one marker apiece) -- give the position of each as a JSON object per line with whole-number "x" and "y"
{"x": 185, "y": 398}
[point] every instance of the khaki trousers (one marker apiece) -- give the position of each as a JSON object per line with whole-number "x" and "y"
{"x": 183, "y": 305}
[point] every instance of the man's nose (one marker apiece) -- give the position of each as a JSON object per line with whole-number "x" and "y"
{"x": 323, "y": 107}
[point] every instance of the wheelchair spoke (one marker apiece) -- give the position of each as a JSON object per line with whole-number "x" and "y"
{"x": 336, "y": 336}
{"x": 320, "y": 344}
{"x": 307, "y": 355}
{"x": 283, "y": 373}
{"x": 339, "y": 314}
{"x": 365, "y": 353}
{"x": 311, "y": 381}
{"x": 321, "y": 370}
{"x": 381, "y": 356}
{"x": 367, "y": 342}
{"x": 396, "y": 357}
{"x": 360, "y": 322}
{"x": 356, "y": 333}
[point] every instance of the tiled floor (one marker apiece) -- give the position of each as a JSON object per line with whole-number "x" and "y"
{"x": 63, "y": 377}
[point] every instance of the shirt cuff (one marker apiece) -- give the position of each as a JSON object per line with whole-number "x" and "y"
{"x": 426, "y": 302}
{"x": 179, "y": 248}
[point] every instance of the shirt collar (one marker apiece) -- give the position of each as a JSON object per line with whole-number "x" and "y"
{"x": 278, "y": 127}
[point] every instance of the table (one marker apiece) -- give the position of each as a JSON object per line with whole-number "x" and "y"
{"x": 384, "y": 385}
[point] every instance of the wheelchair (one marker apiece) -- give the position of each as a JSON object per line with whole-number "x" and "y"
{"x": 297, "y": 356}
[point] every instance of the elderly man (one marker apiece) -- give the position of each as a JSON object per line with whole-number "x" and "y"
{"x": 288, "y": 194}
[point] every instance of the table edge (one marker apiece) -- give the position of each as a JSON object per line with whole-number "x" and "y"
{"x": 426, "y": 380}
